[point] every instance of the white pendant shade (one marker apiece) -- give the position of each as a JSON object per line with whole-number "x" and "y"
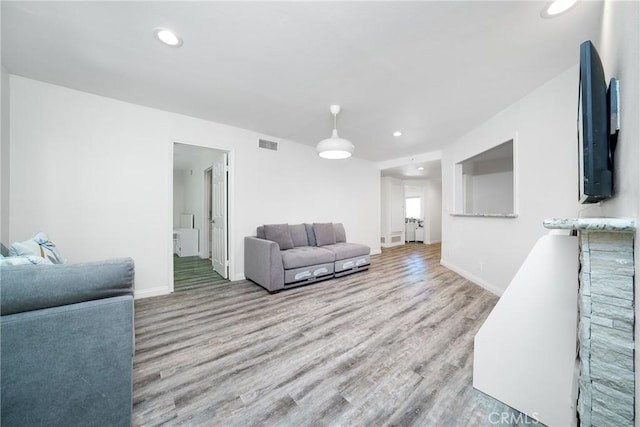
{"x": 335, "y": 147}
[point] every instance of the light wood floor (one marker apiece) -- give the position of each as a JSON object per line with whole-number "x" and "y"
{"x": 390, "y": 346}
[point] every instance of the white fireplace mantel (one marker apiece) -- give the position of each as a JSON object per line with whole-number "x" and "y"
{"x": 614, "y": 225}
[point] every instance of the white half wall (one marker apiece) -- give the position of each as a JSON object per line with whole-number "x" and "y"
{"x": 489, "y": 251}
{"x": 96, "y": 174}
{"x": 525, "y": 352}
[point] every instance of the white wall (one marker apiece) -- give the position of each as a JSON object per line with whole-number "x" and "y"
{"x": 492, "y": 187}
{"x": 96, "y": 174}
{"x": 433, "y": 206}
{"x": 4, "y": 159}
{"x": 194, "y": 191}
{"x": 178, "y": 196}
{"x": 619, "y": 50}
{"x": 489, "y": 251}
{"x": 492, "y": 193}
{"x": 392, "y": 205}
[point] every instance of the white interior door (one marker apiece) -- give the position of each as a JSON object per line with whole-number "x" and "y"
{"x": 219, "y": 216}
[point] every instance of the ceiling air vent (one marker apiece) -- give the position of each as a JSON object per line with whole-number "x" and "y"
{"x": 269, "y": 145}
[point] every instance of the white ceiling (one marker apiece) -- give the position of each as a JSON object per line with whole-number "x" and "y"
{"x": 431, "y": 170}
{"x": 433, "y": 70}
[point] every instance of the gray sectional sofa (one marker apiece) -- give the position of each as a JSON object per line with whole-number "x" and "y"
{"x": 283, "y": 256}
{"x": 67, "y": 344}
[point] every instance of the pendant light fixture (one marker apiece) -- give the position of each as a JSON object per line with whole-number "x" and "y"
{"x": 335, "y": 147}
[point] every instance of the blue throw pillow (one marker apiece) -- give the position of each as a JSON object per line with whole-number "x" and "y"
{"x": 39, "y": 246}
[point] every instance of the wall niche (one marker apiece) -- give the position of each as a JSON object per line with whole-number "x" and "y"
{"x": 485, "y": 183}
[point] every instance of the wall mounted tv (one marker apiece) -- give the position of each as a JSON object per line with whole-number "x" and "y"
{"x": 597, "y": 127}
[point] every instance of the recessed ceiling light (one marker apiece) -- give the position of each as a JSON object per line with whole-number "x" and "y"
{"x": 168, "y": 37}
{"x": 557, "y": 7}
{"x": 397, "y": 133}
{"x": 420, "y": 168}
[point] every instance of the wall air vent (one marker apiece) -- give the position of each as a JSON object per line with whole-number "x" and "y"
{"x": 269, "y": 145}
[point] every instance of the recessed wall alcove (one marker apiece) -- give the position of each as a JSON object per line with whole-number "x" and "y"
{"x": 485, "y": 183}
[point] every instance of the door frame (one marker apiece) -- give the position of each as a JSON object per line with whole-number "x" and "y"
{"x": 231, "y": 246}
{"x": 208, "y": 178}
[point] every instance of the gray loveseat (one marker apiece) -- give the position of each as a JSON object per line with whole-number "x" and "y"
{"x": 282, "y": 256}
{"x": 67, "y": 344}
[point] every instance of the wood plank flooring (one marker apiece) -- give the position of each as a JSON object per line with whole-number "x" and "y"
{"x": 193, "y": 272}
{"x": 390, "y": 346}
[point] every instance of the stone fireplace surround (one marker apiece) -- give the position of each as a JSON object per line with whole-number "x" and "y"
{"x": 606, "y": 383}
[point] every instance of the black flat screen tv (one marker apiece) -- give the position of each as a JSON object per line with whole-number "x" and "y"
{"x": 595, "y": 154}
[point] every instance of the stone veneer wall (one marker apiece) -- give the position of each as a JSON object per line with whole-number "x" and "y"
{"x": 606, "y": 386}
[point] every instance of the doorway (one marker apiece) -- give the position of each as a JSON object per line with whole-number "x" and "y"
{"x": 411, "y": 201}
{"x": 200, "y": 217}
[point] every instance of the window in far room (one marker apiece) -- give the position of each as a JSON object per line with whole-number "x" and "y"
{"x": 412, "y": 207}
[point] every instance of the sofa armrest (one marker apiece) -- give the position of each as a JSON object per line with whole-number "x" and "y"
{"x": 70, "y": 365}
{"x": 263, "y": 263}
{"x": 33, "y": 287}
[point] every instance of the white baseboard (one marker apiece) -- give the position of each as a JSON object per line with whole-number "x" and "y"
{"x": 237, "y": 277}
{"x": 153, "y": 292}
{"x": 376, "y": 251}
{"x": 472, "y": 277}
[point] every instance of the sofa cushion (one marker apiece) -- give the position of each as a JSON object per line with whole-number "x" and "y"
{"x": 280, "y": 234}
{"x": 34, "y": 287}
{"x": 347, "y": 250}
{"x": 325, "y": 234}
{"x": 341, "y": 235}
{"x": 305, "y": 256}
{"x": 310, "y": 235}
{"x": 299, "y": 235}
